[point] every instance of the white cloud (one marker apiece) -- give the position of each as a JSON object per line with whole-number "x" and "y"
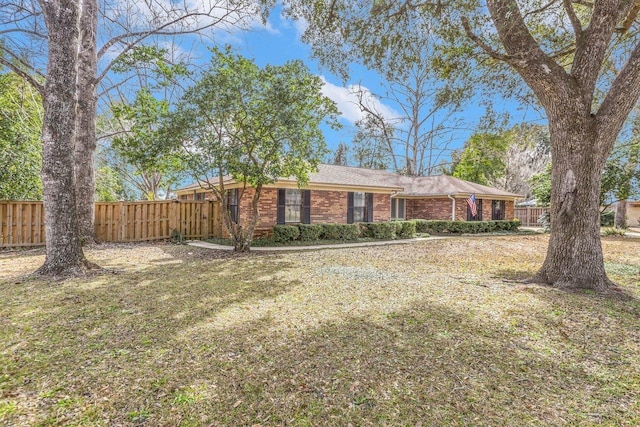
{"x": 347, "y": 100}
{"x": 301, "y": 26}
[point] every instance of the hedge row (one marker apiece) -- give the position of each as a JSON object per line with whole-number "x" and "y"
{"x": 311, "y": 232}
{"x": 345, "y": 232}
{"x": 459, "y": 227}
{"x": 386, "y": 230}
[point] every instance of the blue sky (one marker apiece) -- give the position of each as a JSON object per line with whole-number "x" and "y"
{"x": 279, "y": 41}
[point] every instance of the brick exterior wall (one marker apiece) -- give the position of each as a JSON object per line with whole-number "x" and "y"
{"x": 428, "y": 209}
{"x": 328, "y": 207}
{"x": 461, "y": 209}
{"x": 267, "y": 209}
{"x": 381, "y": 207}
{"x": 331, "y": 207}
{"x": 440, "y": 209}
{"x": 509, "y": 210}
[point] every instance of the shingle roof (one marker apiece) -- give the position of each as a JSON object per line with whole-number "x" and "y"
{"x": 351, "y": 176}
{"x": 427, "y": 186}
{"x": 444, "y": 185}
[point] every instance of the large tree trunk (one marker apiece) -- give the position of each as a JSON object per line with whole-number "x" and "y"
{"x": 574, "y": 256}
{"x": 63, "y": 250}
{"x": 86, "y": 122}
{"x": 620, "y": 220}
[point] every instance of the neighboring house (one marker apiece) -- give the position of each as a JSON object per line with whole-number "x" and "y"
{"x": 341, "y": 194}
{"x": 633, "y": 213}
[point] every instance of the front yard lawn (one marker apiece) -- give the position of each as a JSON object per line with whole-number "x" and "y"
{"x": 435, "y": 332}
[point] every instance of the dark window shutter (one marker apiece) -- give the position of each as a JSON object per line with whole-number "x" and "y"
{"x": 306, "y": 207}
{"x": 350, "y": 207}
{"x": 479, "y": 204}
{"x": 282, "y": 194}
{"x": 369, "y": 198}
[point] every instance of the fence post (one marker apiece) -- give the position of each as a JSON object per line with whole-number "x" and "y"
{"x": 206, "y": 215}
{"x": 173, "y": 217}
{"x": 123, "y": 222}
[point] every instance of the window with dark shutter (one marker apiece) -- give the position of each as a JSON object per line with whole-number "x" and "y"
{"x": 294, "y": 206}
{"x": 232, "y": 204}
{"x": 497, "y": 210}
{"x": 359, "y": 207}
{"x": 281, "y": 206}
{"x": 369, "y": 207}
{"x": 350, "y": 207}
{"x": 478, "y": 209}
{"x": 397, "y": 208}
{"x": 306, "y": 207}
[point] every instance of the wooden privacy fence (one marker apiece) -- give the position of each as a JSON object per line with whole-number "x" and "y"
{"x": 528, "y": 216}
{"x": 22, "y": 223}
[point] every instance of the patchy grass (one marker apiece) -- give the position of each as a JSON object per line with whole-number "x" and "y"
{"x": 439, "y": 332}
{"x": 270, "y": 243}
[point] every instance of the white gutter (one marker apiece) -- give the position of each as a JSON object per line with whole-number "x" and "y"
{"x": 453, "y": 207}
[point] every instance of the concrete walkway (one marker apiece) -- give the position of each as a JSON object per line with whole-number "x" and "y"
{"x": 202, "y": 244}
{"x": 631, "y": 232}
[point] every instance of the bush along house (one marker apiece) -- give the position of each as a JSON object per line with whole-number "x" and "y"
{"x": 345, "y": 195}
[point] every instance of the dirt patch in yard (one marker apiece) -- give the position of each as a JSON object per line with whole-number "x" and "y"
{"x": 435, "y": 332}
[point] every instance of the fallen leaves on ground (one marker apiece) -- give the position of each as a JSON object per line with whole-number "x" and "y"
{"x": 439, "y": 332}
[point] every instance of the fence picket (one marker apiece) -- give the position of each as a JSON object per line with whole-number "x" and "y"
{"x": 22, "y": 223}
{"x": 528, "y": 216}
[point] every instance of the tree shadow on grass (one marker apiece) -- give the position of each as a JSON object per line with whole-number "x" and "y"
{"x": 75, "y": 338}
{"x": 119, "y": 355}
{"x": 426, "y": 364}
{"x": 150, "y": 347}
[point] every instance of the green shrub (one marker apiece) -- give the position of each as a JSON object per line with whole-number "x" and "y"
{"x": 607, "y": 218}
{"x": 397, "y": 228}
{"x": 421, "y": 225}
{"x": 309, "y": 232}
{"x": 469, "y": 227}
{"x": 349, "y": 231}
{"x": 613, "y": 231}
{"x": 405, "y": 229}
{"x": 378, "y": 230}
{"x": 340, "y": 231}
{"x": 330, "y": 232}
{"x": 285, "y": 233}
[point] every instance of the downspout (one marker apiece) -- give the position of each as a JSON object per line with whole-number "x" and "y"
{"x": 394, "y": 193}
{"x": 453, "y": 207}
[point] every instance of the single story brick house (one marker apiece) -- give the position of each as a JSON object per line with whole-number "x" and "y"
{"x": 341, "y": 194}
{"x": 633, "y": 213}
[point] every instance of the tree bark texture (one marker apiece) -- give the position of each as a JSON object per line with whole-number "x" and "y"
{"x": 581, "y": 138}
{"x": 86, "y": 121}
{"x": 574, "y": 256}
{"x": 620, "y": 220}
{"x": 242, "y": 232}
{"x": 63, "y": 249}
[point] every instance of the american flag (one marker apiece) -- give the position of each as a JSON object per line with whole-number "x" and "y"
{"x": 471, "y": 201}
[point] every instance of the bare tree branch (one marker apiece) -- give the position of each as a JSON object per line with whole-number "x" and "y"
{"x": 575, "y": 21}
{"x": 21, "y": 71}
